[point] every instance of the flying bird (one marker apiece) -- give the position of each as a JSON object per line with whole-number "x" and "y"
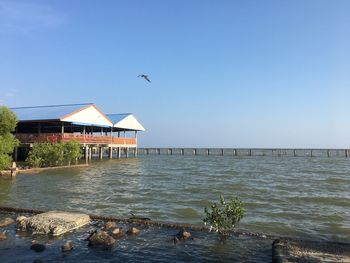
{"x": 145, "y": 77}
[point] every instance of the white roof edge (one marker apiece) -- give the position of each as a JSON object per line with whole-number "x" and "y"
{"x": 129, "y": 122}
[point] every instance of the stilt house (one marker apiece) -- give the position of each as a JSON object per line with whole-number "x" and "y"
{"x": 84, "y": 123}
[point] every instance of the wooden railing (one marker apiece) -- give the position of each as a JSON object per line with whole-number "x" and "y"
{"x": 42, "y": 137}
{"x": 98, "y": 139}
{"x": 57, "y": 137}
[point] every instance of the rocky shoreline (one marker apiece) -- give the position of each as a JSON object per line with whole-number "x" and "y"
{"x": 105, "y": 233}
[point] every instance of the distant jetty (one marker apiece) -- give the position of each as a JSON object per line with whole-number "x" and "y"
{"x": 278, "y": 152}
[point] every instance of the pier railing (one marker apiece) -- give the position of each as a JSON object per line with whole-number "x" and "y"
{"x": 247, "y": 152}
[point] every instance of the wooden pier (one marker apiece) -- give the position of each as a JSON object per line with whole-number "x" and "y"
{"x": 235, "y": 152}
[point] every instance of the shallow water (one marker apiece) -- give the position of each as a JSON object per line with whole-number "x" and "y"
{"x": 153, "y": 244}
{"x": 287, "y": 196}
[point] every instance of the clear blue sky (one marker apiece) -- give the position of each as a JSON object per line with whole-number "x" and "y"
{"x": 246, "y": 73}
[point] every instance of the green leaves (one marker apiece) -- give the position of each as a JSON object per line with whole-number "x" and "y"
{"x": 53, "y": 154}
{"x": 8, "y": 120}
{"x": 224, "y": 216}
{"x": 8, "y": 142}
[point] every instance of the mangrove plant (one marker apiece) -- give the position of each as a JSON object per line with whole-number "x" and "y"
{"x": 54, "y": 154}
{"x": 8, "y": 142}
{"x": 224, "y": 216}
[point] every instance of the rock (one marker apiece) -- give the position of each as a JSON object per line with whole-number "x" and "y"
{"x": 133, "y": 231}
{"x": 110, "y": 225}
{"x": 6, "y": 222}
{"x": 38, "y": 261}
{"x": 37, "y": 247}
{"x": 101, "y": 239}
{"x": 3, "y": 236}
{"x": 54, "y": 222}
{"x": 117, "y": 232}
{"x": 182, "y": 235}
{"x": 21, "y": 222}
{"x": 68, "y": 246}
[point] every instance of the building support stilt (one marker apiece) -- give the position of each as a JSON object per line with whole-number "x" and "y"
{"x": 110, "y": 152}
{"x": 90, "y": 152}
{"x": 15, "y": 154}
{"x": 100, "y": 153}
{"x": 86, "y": 153}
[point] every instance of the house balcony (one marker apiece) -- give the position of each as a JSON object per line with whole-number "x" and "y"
{"x": 26, "y": 138}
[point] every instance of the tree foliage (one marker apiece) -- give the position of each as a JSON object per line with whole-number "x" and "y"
{"x": 54, "y": 154}
{"x": 8, "y": 142}
{"x": 225, "y": 215}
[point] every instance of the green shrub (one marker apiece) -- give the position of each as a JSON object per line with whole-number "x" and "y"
{"x": 224, "y": 216}
{"x": 8, "y": 142}
{"x": 71, "y": 152}
{"x": 54, "y": 154}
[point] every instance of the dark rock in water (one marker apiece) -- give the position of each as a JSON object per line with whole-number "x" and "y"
{"x": 110, "y": 225}
{"x": 37, "y": 247}
{"x": 68, "y": 246}
{"x": 133, "y": 231}
{"x": 101, "y": 239}
{"x": 117, "y": 232}
{"x": 182, "y": 235}
{"x": 6, "y": 222}
{"x": 3, "y": 236}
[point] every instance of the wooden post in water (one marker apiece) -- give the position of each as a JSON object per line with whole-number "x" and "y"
{"x": 119, "y": 152}
{"x": 294, "y": 153}
{"x": 127, "y": 152}
{"x": 328, "y": 153}
{"x": 86, "y": 153}
{"x": 158, "y": 151}
{"x": 100, "y": 152}
{"x": 15, "y": 154}
{"x": 346, "y": 153}
{"x": 222, "y": 152}
{"x": 208, "y": 151}
{"x": 90, "y": 153}
{"x": 182, "y": 151}
{"x": 147, "y": 151}
{"x": 250, "y": 152}
{"x": 195, "y": 151}
{"x": 135, "y": 152}
{"x": 110, "y": 152}
{"x": 311, "y": 153}
{"x": 234, "y": 152}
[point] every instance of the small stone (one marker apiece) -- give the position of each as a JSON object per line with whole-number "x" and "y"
{"x": 102, "y": 239}
{"x": 6, "y": 222}
{"x": 3, "y": 236}
{"x": 68, "y": 246}
{"x": 110, "y": 225}
{"x": 21, "y": 222}
{"x": 37, "y": 247}
{"x": 133, "y": 231}
{"x": 183, "y": 234}
{"x": 117, "y": 232}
